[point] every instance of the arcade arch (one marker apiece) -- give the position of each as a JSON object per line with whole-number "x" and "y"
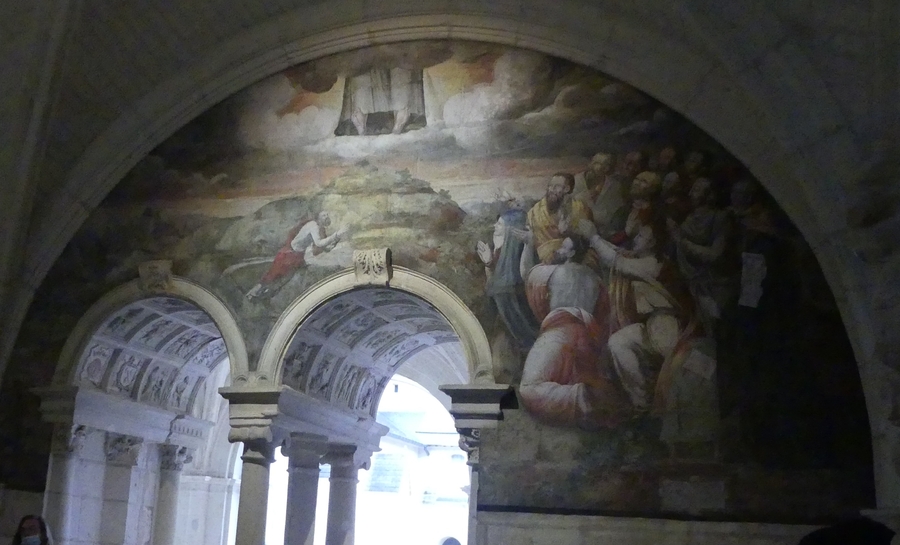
{"x": 407, "y": 287}
{"x": 328, "y": 359}
{"x": 135, "y": 399}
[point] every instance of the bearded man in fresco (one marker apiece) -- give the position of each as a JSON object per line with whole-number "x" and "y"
{"x": 605, "y": 195}
{"x": 548, "y": 221}
{"x": 308, "y": 235}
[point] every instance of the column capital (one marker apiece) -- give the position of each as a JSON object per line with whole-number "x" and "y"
{"x": 69, "y": 438}
{"x": 305, "y": 450}
{"x": 346, "y": 456}
{"x": 122, "y": 449}
{"x": 258, "y": 451}
{"x": 173, "y": 457}
{"x": 470, "y": 443}
{"x": 477, "y": 406}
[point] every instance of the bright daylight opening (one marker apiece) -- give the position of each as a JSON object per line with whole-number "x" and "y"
{"x": 417, "y": 489}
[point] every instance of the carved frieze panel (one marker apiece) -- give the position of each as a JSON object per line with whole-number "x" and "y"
{"x": 299, "y": 361}
{"x": 185, "y": 344}
{"x": 321, "y": 376}
{"x": 126, "y": 372}
{"x": 365, "y": 394}
{"x": 358, "y": 328}
{"x": 95, "y": 361}
{"x": 331, "y": 317}
{"x": 210, "y": 354}
{"x": 68, "y": 438}
{"x": 155, "y": 334}
{"x": 122, "y": 449}
{"x": 122, "y": 323}
{"x": 180, "y": 395}
{"x": 173, "y": 457}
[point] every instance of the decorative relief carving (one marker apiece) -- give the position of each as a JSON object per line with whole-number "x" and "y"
{"x": 180, "y": 393}
{"x": 95, "y": 362}
{"x": 373, "y": 266}
{"x": 469, "y": 442}
{"x": 345, "y": 385}
{"x": 180, "y": 426}
{"x": 322, "y": 374}
{"x": 173, "y": 457}
{"x": 122, "y": 449}
{"x": 359, "y": 327}
{"x": 155, "y": 275}
{"x": 128, "y": 371}
{"x": 365, "y": 396}
{"x": 68, "y": 439}
{"x": 330, "y": 317}
{"x": 298, "y": 363}
{"x": 120, "y": 324}
{"x": 157, "y": 332}
{"x": 210, "y": 354}
{"x": 185, "y": 344}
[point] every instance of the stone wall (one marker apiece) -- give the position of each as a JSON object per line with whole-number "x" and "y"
{"x": 541, "y": 529}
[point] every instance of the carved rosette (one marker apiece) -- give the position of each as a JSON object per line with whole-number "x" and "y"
{"x": 68, "y": 439}
{"x": 173, "y": 457}
{"x": 156, "y": 276}
{"x": 373, "y": 266}
{"x": 122, "y": 449}
{"x": 469, "y": 442}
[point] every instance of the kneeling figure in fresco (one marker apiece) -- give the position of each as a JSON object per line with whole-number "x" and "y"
{"x": 563, "y": 382}
{"x": 308, "y": 235}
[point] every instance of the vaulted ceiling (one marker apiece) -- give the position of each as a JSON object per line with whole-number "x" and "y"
{"x": 349, "y": 348}
{"x": 158, "y": 351}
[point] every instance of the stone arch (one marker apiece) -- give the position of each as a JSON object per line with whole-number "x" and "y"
{"x": 112, "y": 425}
{"x": 137, "y": 290}
{"x": 471, "y": 336}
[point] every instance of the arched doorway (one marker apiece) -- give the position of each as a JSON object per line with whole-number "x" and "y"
{"x": 417, "y": 487}
{"x": 332, "y": 353}
{"x": 136, "y": 414}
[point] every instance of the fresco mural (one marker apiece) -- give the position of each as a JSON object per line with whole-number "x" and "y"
{"x": 659, "y": 315}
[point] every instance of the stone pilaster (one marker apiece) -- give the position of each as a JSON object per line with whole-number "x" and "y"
{"x": 61, "y": 501}
{"x": 475, "y": 407}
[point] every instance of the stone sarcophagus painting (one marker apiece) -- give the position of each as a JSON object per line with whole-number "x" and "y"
{"x": 674, "y": 346}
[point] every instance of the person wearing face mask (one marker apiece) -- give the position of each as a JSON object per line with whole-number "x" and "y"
{"x": 32, "y": 530}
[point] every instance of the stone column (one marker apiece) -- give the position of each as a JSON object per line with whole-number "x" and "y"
{"x": 305, "y": 452}
{"x": 171, "y": 461}
{"x": 251, "y": 522}
{"x": 61, "y": 506}
{"x": 342, "y": 495}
